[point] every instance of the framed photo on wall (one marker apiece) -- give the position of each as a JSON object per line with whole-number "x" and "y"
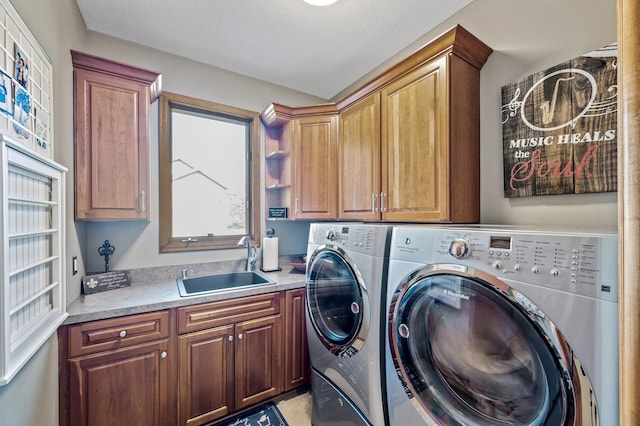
{"x": 21, "y": 70}
{"x": 21, "y": 114}
{"x": 6, "y": 94}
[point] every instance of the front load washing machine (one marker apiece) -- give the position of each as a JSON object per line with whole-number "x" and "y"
{"x": 497, "y": 326}
{"x": 345, "y": 285}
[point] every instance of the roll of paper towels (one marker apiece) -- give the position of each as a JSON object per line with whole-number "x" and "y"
{"x": 270, "y": 254}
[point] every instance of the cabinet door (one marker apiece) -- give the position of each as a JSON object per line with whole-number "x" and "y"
{"x": 258, "y": 360}
{"x": 205, "y": 375}
{"x": 359, "y": 161}
{"x": 296, "y": 358}
{"x": 128, "y": 386}
{"x": 111, "y": 137}
{"x": 315, "y": 162}
{"x": 415, "y": 151}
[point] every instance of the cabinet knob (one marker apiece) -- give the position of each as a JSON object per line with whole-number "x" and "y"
{"x": 231, "y": 338}
{"x": 240, "y": 336}
{"x": 123, "y": 333}
{"x": 163, "y": 354}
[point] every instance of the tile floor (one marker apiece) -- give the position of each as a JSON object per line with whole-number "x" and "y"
{"x": 296, "y": 409}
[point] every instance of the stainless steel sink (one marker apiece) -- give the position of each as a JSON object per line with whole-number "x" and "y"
{"x": 221, "y": 282}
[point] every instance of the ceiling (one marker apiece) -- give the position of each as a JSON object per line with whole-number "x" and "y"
{"x": 315, "y": 50}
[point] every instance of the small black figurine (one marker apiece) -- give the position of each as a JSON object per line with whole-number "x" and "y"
{"x": 106, "y": 250}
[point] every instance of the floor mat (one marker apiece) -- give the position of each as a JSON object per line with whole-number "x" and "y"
{"x": 265, "y": 415}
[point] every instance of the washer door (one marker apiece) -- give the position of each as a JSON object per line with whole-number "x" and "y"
{"x": 337, "y": 302}
{"x": 471, "y": 350}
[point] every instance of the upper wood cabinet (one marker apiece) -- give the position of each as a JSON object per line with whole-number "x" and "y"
{"x": 301, "y": 161}
{"x": 415, "y": 149}
{"x": 111, "y": 113}
{"x": 315, "y": 165}
{"x": 359, "y": 161}
{"x": 408, "y": 148}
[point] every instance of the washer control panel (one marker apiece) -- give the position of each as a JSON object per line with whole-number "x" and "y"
{"x": 583, "y": 263}
{"x": 361, "y": 238}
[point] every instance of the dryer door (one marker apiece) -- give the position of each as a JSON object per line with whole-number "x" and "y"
{"x": 471, "y": 350}
{"x": 337, "y": 303}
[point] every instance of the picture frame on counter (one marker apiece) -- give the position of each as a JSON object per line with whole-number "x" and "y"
{"x": 106, "y": 281}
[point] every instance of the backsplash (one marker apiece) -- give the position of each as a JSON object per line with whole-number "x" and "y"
{"x": 164, "y": 273}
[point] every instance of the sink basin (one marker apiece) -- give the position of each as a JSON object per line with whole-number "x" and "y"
{"x": 221, "y": 282}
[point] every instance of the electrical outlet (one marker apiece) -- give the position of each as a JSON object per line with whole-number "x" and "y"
{"x": 74, "y": 264}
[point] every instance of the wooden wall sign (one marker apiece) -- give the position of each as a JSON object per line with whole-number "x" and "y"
{"x": 559, "y": 128}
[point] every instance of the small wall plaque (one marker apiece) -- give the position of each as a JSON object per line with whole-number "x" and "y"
{"x": 103, "y": 282}
{"x": 278, "y": 212}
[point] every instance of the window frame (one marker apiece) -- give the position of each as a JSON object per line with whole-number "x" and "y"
{"x": 169, "y": 243}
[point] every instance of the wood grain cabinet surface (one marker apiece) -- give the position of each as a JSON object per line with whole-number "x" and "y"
{"x": 301, "y": 161}
{"x": 233, "y": 360}
{"x": 408, "y": 144}
{"x": 189, "y": 366}
{"x": 296, "y": 354}
{"x": 117, "y": 372}
{"x": 315, "y": 167}
{"x": 359, "y": 161}
{"x": 111, "y": 115}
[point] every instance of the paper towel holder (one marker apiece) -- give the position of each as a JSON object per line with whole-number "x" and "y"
{"x": 270, "y": 233}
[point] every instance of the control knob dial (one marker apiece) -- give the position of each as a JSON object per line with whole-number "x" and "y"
{"x": 459, "y": 248}
{"x": 330, "y": 234}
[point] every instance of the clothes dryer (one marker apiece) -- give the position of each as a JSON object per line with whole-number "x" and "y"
{"x": 346, "y": 288}
{"x": 491, "y": 326}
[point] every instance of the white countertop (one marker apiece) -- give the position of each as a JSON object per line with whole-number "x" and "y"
{"x": 148, "y": 297}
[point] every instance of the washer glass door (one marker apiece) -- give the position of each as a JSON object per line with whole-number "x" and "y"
{"x": 336, "y": 302}
{"x": 468, "y": 355}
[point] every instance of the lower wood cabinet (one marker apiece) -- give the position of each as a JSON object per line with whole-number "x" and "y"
{"x": 232, "y": 360}
{"x": 117, "y": 372}
{"x": 205, "y": 381}
{"x": 187, "y": 366}
{"x": 296, "y": 354}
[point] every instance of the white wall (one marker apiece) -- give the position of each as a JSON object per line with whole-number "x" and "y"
{"x": 527, "y": 36}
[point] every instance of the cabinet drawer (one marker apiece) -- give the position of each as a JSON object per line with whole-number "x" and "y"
{"x": 115, "y": 333}
{"x": 215, "y": 314}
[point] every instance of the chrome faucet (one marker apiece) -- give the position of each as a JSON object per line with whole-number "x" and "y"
{"x": 251, "y": 252}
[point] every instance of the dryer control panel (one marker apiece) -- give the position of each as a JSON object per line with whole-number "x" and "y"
{"x": 584, "y": 264}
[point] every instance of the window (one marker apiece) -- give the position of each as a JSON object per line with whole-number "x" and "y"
{"x": 209, "y": 174}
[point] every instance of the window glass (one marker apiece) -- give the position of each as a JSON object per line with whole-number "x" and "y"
{"x": 209, "y": 189}
{"x": 208, "y": 181}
